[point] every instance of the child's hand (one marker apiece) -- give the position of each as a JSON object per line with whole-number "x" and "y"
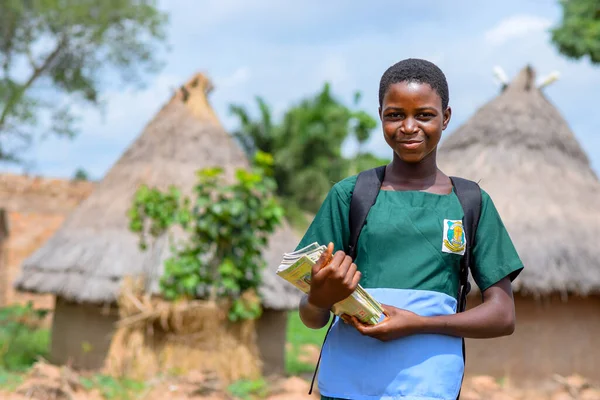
{"x": 332, "y": 281}
{"x": 397, "y": 323}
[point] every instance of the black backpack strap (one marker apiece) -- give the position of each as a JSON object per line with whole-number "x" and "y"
{"x": 469, "y": 196}
{"x": 364, "y": 195}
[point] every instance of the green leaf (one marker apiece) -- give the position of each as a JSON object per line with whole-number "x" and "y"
{"x": 230, "y": 284}
{"x": 170, "y": 294}
{"x": 190, "y": 282}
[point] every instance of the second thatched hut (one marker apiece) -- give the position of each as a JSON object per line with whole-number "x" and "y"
{"x": 522, "y": 152}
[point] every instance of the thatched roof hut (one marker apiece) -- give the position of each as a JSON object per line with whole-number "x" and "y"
{"x": 522, "y": 152}
{"x": 87, "y": 258}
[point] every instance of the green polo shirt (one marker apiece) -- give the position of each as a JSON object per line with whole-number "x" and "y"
{"x": 401, "y": 243}
{"x": 409, "y": 254}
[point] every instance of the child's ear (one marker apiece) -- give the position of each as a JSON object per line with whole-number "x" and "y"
{"x": 379, "y": 113}
{"x": 447, "y": 115}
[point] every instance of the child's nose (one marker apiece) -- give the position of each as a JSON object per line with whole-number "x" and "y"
{"x": 409, "y": 126}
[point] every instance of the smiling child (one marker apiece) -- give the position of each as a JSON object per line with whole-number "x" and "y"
{"x": 408, "y": 258}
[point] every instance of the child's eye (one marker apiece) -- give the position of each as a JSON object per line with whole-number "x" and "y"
{"x": 394, "y": 115}
{"x": 426, "y": 115}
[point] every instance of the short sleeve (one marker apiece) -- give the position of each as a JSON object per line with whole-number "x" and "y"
{"x": 331, "y": 221}
{"x": 495, "y": 256}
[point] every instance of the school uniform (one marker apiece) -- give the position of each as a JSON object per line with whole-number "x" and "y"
{"x": 409, "y": 255}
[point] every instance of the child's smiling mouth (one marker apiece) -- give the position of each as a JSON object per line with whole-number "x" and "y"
{"x": 410, "y": 144}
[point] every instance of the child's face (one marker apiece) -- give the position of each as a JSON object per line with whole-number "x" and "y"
{"x": 413, "y": 120}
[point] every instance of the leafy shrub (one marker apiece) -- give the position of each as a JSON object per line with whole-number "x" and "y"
{"x": 226, "y": 229}
{"x": 22, "y": 340}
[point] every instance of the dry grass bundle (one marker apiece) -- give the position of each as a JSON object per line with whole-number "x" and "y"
{"x": 156, "y": 336}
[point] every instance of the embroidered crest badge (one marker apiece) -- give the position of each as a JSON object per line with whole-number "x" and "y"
{"x": 454, "y": 241}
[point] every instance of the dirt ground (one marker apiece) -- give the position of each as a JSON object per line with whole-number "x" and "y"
{"x": 48, "y": 382}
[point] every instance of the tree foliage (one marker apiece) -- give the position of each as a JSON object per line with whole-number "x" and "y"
{"x": 578, "y": 34}
{"x": 81, "y": 175}
{"x": 53, "y": 54}
{"x": 226, "y": 227}
{"x": 306, "y": 144}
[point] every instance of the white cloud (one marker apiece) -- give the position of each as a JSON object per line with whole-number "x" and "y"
{"x": 514, "y": 27}
{"x": 195, "y": 16}
{"x": 333, "y": 69}
{"x": 238, "y": 77}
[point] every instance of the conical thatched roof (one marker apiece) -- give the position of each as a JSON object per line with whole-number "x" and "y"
{"x": 94, "y": 249}
{"x": 525, "y": 156}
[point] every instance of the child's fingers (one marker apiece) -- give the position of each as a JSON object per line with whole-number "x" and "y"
{"x": 344, "y": 267}
{"x": 356, "y": 279}
{"x": 324, "y": 259}
{"x": 331, "y": 265}
{"x": 348, "y": 280}
{"x": 386, "y": 313}
{"x": 357, "y": 324}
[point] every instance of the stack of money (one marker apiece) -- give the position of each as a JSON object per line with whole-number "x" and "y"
{"x": 296, "y": 268}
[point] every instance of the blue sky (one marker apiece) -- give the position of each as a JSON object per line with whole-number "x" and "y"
{"x": 283, "y": 51}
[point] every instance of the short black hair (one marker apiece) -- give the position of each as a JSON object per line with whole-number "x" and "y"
{"x": 415, "y": 70}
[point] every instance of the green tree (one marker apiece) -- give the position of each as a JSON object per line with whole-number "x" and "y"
{"x": 81, "y": 175}
{"x": 578, "y": 34}
{"x": 306, "y": 144}
{"x": 227, "y": 228}
{"x": 53, "y": 54}
{"x": 255, "y": 135}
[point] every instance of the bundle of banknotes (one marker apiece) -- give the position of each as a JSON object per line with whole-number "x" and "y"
{"x": 296, "y": 268}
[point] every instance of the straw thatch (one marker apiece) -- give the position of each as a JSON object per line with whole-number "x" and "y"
{"x": 525, "y": 156}
{"x": 157, "y": 336}
{"x": 90, "y": 254}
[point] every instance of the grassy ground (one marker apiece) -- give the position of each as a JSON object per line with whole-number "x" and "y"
{"x": 299, "y": 336}
{"x": 113, "y": 389}
{"x": 22, "y": 343}
{"x": 9, "y": 380}
{"x": 22, "y": 340}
